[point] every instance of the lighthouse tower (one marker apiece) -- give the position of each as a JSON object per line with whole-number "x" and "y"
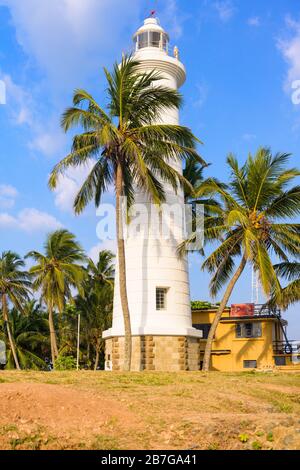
{"x": 157, "y": 279}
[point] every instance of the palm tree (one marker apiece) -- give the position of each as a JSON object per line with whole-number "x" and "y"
{"x": 30, "y": 339}
{"x": 56, "y": 272}
{"x": 193, "y": 173}
{"x": 101, "y": 283}
{"x": 130, "y": 150}
{"x": 15, "y": 287}
{"x": 102, "y": 272}
{"x": 95, "y": 310}
{"x": 96, "y": 317}
{"x": 249, "y": 226}
{"x": 289, "y": 294}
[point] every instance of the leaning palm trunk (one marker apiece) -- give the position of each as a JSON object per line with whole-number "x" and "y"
{"x": 212, "y": 332}
{"x": 97, "y": 359}
{"x": 53, "y": 342}
{"x": 10, "y": 338}
{"x": 122, "y": 271}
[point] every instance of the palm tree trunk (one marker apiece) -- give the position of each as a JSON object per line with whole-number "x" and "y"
{"x": 212, "y": 332}
{"x": 54, "y": 350}
{"x": 122, "y": 271}
{"x": 97, "y": 355}
{"x": 10, "y": 338}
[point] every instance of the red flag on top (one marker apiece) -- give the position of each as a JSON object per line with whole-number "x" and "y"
{"x": 152, "y": 12}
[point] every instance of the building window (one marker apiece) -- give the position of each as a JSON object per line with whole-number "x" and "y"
{"x": 204, "y": 327}
{"x": 250, "y": 364}
{"x": 161, "y": 298}
{"x": 248, "y": 330}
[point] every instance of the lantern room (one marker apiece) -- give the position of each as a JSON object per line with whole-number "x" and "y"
{"x": 151, "y": 34}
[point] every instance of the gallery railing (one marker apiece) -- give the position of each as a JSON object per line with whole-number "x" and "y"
{"x": 286, "y": 347}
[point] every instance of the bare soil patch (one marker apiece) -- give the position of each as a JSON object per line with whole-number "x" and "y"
{"x": 88, "y": 410}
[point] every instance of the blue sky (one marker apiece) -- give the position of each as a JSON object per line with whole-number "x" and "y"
{"x": 242, "y": 57}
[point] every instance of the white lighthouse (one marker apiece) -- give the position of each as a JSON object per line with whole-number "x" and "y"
{"x": 157, "y": 279}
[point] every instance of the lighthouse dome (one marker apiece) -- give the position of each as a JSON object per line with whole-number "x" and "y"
{"x": 151, "y": 34}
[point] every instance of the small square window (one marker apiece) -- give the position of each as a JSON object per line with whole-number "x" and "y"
{"x": 250, "y": 364}
{"x": 280, "y": 361}
{"x": 161, "y": 298}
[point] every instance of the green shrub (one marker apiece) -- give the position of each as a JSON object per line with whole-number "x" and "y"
{"x": 65, "y": 363}
{"x": 256, "y": 445}
{"x": 204, "y": 305}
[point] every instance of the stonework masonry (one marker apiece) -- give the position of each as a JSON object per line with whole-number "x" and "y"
{"x": 156, "y": 353}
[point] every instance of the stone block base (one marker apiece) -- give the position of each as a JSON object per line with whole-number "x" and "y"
{"x": 155, "y": 353}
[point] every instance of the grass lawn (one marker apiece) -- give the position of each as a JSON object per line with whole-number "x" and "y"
{"x": 87, "y": 410}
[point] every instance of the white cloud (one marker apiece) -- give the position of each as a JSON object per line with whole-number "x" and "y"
{"x": 172, "y": 19}
{"x": 70, "y": 39}
{"x": 225, "y": 10}
{"x": 254, "y": 21}
{"x": 7, "y": 221}
{"x": 30, "y": 220}
{"x": 48, "y": 142}
{"x": 19, "y": 101}
{"x": 110, "y": 245}
{"x": 8, "y": 195}
{"x": 201, "y": 95}
{"x": 24, "y": 112}
{"x": 69, "y": 185}
{"x": 249, "y": 137}
{"x": 290, "y": 49}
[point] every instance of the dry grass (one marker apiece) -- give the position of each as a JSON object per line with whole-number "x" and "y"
{"x": 86, "y": 410}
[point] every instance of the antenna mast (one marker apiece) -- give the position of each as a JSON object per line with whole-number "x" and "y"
{"x": 255, "y": 286}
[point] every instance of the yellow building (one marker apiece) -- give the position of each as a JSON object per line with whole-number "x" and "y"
{"x": 256, "y": 341}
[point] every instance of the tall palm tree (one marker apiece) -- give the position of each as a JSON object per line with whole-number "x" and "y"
{"x": 130, "y": 150}
{"x": 14, "y": 287}
{"x": 55, "y": 273}
{"x": 250, "y": 226}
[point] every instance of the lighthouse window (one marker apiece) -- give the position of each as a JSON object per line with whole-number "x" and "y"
{"x": 151, "y": 39}
{"x": 165, "y": 41}
{"x": 154, "y": 39}
{"x": 143, "y": 40}
{"x": 161, "y": 298}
